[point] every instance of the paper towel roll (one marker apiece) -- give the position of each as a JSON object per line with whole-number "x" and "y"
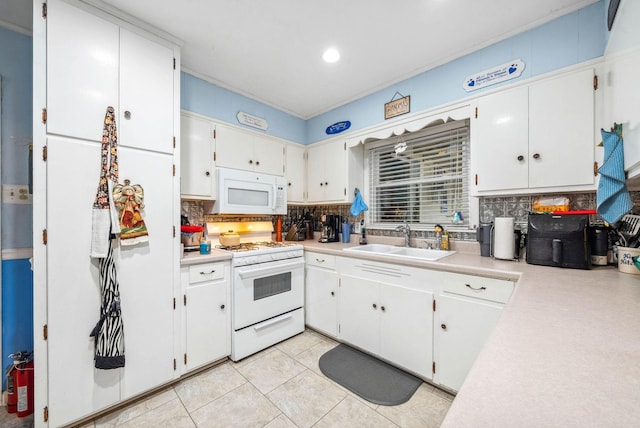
{"x": 503, "y": 238}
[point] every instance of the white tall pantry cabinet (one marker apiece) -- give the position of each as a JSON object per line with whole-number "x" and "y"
{"x": 84, "y": 61}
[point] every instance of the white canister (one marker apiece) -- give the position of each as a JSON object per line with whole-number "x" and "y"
{"x": 503, "y": 240}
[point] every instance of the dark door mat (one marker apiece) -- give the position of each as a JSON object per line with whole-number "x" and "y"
{"x": 370, "y": 378}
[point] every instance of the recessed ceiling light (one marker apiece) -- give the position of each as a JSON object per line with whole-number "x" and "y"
{"x": 331, "y": 55}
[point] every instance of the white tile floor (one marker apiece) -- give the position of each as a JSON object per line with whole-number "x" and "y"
{"x": 279, "y": 387}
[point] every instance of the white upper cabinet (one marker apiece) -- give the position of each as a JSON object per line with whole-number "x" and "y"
{"x": 82, "y": 71}
{"x": 146, "y": 94}
{"x": 197, "y": 145}
{"x": 100, "y": 64}
{"x": 621, "y": 104}
{"x": 295, "y": 172}
{"x": 539, "y": 136}
{"x": 502, "y": 140}
{"x": 333, "y": 171}
{"x": 240, "y": 149}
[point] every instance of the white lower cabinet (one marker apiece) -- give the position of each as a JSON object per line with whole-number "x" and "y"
{"x": 387, "y": 310}
{"x": 321, "y": 293}
{"x": 467, "y": 310}
{"x": 390, "y": 311}
{"x": 206, "y": 315}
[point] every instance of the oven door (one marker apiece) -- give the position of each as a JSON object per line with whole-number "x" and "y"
{"x": 265, "y": 290}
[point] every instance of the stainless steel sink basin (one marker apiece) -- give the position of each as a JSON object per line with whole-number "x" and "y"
{"x": 402, "y": 252}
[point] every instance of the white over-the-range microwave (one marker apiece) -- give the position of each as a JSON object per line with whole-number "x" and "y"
{"x": 244, "y": 192}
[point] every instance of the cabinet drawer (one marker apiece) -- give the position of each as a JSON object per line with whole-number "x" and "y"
{"x": 496, "y": 290}
{"x": 206, "y": 272}
{"x": 321, "y": 260}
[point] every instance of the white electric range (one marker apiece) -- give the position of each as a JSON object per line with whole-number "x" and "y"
{"x": 267, "y": 292}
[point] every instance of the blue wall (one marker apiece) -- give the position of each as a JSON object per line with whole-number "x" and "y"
{"x": 565, "y": 41}
{"x": 205, "y": 98}
{"x": 16, "y": 71}
{"x": 17, "y": 309}
{"x": 17, "y": 278}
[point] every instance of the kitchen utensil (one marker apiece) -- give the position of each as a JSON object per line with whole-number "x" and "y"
{"x": 191, "y": 240}
{"x": 629, "y": 229}
{"x": 229, "y": 239}
{"x": 292, "y": 234}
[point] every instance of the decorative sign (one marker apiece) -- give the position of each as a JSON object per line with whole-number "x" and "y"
{"x": 397, "y": 107}
{"x": 501, "y": 73}
{"x": 253, "y": 121}
{"x": 338, "y": 127}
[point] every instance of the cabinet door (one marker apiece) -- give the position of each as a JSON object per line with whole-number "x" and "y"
{"x": 359, "y": 313}
{"x": 465, "y": 325}
{"x": 321, "y": 300}
{"x": 73, "y": 288}
{"x": 500, "y": 153}
{"x": 315, "y": 173}
{"x": 561, "y": 131}
{"x": 234, "y": 148}
{"x": 82, "y": 71}
{"x": 146, "y": 94}
{"x": 295, "y": 173}
{"x": 207, "y": 323}
{"x": 147, "y": 273}
{"x": 268, "y": 155}
{"x": 334, "y": 171}
{"x": 197, "y": 177}
{"x": 406, "y": 328}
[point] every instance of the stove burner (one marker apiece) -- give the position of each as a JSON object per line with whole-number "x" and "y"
{"x": 237, "y": 248}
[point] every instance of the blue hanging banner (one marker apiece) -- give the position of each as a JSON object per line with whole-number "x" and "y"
{"x": 338, "y": 127}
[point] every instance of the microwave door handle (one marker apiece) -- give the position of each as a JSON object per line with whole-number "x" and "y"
{"x": 275, "y": 197}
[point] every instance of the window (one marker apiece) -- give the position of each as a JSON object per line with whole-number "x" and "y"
{"x": 421, "y": 178}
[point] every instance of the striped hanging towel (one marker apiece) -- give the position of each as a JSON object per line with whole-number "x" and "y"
{"x": 108, "y": 332}
{"x": 613, "y": 199}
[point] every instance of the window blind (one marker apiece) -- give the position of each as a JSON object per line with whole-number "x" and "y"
{"x": 421, "y": 178}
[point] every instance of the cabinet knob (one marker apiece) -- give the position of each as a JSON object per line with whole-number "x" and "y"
{"x": 536, "y": 155}
{"x": 127, "y": 114}
{"x": 382, "y": 308}
{"x": 250, "y": 162}
{"x": 520, "y": 158}
{"x": 375, "y": 306}
{"x": 289, "y": 184}
{"x": 321, "y": 184}
{"x": 443, "y": 326}
{"x": 207, "y": 173}
{"x": 326, "y": 184}
{"x": 333, "y": 293}
{"x": 222, "y": 307}
{"x": 258, "y": 163}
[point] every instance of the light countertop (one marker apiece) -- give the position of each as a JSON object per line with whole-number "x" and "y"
{"x": 565, "y": 353}
{"x": 194, "y": 257}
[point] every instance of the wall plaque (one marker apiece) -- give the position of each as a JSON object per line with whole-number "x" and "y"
{"x": 397, "y": 107}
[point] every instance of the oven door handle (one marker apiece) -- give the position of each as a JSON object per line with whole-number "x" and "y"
{"x": 256, "y": 271}
{"x": 272, "y": 322}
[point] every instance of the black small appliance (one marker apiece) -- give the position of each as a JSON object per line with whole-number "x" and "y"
{"x": 330, "y": 228}
{"x": 561, "y": 241}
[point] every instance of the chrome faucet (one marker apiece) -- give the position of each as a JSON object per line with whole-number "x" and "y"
{"x": 407, "y": 233}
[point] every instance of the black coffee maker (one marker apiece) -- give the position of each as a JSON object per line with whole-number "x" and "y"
{"x": 330, "y": 230}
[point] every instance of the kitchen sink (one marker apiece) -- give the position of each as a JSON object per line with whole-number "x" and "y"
{"x": 401, "y": 252}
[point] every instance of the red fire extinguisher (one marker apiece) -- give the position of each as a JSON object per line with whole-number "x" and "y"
{"x": 20, "y": 384}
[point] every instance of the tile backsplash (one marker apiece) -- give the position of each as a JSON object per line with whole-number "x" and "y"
{"x": 490, "y": 208}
